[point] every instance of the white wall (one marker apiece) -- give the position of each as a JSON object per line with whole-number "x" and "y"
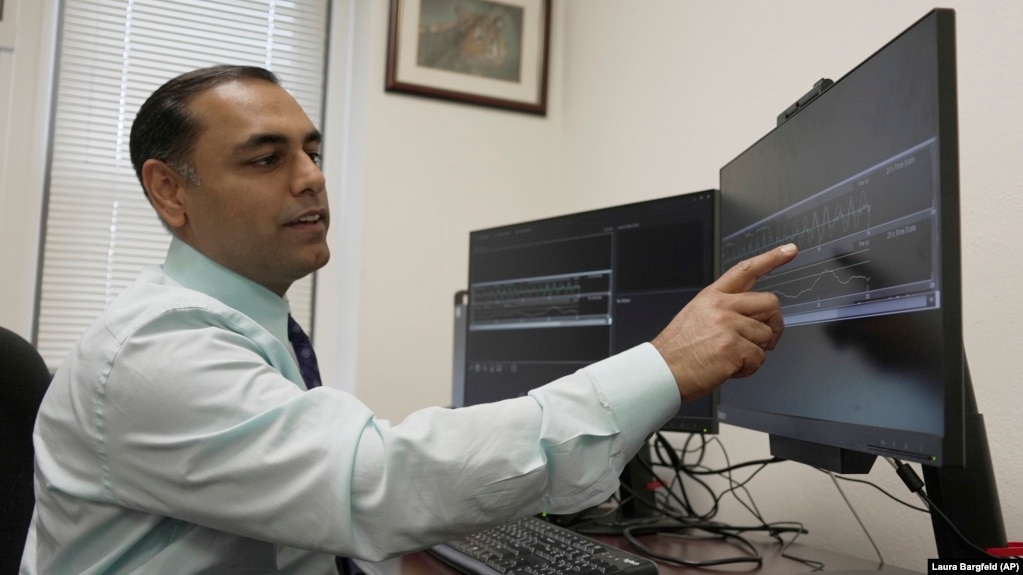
{"x": 433, "y": 170}
{"x": 647, "y": 99}
{"x": 658, "y": 95}
{"x": 25, "y": 74}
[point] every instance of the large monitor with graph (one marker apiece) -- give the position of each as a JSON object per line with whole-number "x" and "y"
{"x": 865, "y": 180}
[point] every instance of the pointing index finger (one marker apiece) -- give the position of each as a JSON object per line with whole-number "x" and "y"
{"x": 742, "y": 276}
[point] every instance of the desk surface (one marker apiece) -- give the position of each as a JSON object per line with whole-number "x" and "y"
{"x": 690, "y": 549}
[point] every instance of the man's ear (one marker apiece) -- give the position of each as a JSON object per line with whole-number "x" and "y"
{"x": 165, "y": 187}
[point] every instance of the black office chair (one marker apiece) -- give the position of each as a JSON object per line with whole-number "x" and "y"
{"x": 23, "y": 381}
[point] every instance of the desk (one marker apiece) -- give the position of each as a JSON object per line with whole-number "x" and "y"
{"x": 774, "y": 564}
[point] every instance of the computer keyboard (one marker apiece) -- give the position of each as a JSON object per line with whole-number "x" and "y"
{"x": 532, "y": 546}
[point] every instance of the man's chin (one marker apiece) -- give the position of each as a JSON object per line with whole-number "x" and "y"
{"x": 326, "y": 256}
{"x": 319, "y": 259}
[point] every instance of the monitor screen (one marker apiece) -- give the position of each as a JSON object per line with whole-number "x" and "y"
{"x": 550, "y": 296}
{"x": 865, "y": 181}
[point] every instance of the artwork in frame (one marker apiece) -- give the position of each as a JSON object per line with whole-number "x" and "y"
{"x": 474, "y": 51}
{"x": 7, "y": 24}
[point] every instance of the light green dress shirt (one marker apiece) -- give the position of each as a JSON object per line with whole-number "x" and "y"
{"x": 178, "y": 437}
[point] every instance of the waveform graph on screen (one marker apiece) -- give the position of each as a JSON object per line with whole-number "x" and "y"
{"x": 868, "y": 244}
{"x": 845, "y": 217}
{"x": 547, "y": 301}
{"x": 812, "y": 226}
{"x": 845, "y": 277}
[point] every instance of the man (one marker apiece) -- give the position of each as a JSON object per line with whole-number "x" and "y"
{"x": 179, "y": 436}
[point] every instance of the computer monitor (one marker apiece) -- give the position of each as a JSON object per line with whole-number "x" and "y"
{"x": 864, "y": 179}
{"x": 550, "y": 296}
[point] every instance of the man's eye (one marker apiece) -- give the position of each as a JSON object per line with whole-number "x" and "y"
{"x": 266, "y": 161}
{"x": 316, "y": 158}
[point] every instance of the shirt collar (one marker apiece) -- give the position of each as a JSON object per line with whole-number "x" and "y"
{"x": 192, "y": 269}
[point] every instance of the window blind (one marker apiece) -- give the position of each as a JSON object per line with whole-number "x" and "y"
{"x": 100, "y": 230}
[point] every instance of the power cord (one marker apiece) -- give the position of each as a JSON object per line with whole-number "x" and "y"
{"x": 916, "y": 485}
{"x": 863, "y": 526}
{"x": 632, "y": 534}
{"x": 878, "y": 488}
{"x": 772, "y": 529}
{"x": 689, "y": 519}
{"x": 667, "y": 456}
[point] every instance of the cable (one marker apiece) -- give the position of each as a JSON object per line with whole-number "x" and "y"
{"x": 752, "y": 508}
{"x": 736, "y": 487}
{"x": 632, "y": 534}
{"x": 738, "y": 466}
{"x": 678, "y": 466}
{"x": 687, "y": 511}
{"x": 916, "y": 485}
{"x": 849, "y": 504}
{"x": 675, "y": 504}
{"x": 879, "y": 488}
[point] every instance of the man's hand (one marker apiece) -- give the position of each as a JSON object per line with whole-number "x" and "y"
{"x": 726, "y": 330}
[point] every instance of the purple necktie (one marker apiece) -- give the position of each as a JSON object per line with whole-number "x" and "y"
{"x": 311, "y": 375}
{"x": 304, "y": 353}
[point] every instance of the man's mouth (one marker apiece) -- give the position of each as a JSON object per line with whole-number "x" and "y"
{"x": 310, "y": 219}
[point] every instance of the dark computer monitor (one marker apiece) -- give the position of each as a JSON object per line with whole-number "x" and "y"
{"x": 550, "y": 296}
{"x": 865, "y": 180}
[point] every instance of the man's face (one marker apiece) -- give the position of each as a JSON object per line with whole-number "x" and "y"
{"x": 261, "y": 209}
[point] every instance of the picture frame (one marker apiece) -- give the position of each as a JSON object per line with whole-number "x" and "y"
{"x": 478, "y": 52}
{"x": 7, "y": 14}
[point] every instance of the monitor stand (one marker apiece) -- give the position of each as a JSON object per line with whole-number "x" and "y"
{"x": 968, "y": 495}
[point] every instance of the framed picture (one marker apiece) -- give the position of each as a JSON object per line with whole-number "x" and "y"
{"x": 474, "y": 51}
{"x": 7, "y": 24}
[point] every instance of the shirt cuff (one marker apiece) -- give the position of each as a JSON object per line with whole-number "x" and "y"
{"x": 640, "y": 389}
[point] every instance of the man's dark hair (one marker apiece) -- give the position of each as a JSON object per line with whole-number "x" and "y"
{"x": 165, "y": 130}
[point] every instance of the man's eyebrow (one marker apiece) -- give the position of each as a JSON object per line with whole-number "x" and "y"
{"x": 258, "y": 140}
{"x": 313, "y": 137}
